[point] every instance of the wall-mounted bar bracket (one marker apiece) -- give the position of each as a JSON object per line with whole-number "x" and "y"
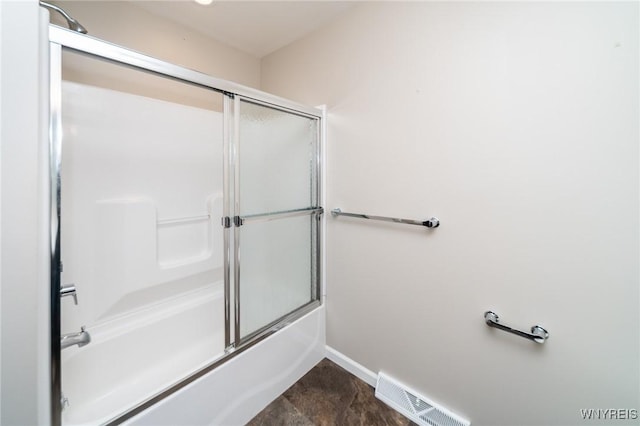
{"x": 538, "y": 334}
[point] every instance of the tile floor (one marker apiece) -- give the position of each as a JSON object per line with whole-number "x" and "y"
{"x": 329, "y": 395}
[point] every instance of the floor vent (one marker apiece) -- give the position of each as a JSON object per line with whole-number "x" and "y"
{"x": 416, "y": 407}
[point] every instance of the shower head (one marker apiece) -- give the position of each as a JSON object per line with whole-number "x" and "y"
{"x": 72, "y": 23}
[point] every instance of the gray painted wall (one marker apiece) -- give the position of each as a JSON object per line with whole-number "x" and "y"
{"x": 517, "y": 125}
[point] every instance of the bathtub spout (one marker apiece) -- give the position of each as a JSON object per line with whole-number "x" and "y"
{"x": 81, "y": 339}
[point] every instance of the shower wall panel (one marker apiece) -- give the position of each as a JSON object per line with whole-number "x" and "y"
{"x": 141, "y": 201}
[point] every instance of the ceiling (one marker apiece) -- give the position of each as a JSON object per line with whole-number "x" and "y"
{"x": 255, "y": 27}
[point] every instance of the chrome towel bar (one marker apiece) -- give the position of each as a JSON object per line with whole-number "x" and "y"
{"x": 538, "y": 334}
{"x": 429, "y": 223}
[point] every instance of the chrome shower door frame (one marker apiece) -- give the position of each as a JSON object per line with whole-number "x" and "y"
{"x": 55, "y": 151}
{"x": 61, "y": 39}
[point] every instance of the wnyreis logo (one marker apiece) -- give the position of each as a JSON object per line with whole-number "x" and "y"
{"x": 609, "y": 414}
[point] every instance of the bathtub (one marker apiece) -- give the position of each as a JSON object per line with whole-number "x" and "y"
{"x": 135, "y": 356}
{"x": 242, "y": 386}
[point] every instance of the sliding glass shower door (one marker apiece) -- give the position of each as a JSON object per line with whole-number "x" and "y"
{"x": 146, "y": 158}
{"x": 277, "y": 214}
{"x": 141, "y": 196}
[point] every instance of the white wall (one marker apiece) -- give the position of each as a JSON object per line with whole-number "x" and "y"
{"x": 24, "y": 291}
{"x": 517, "y": 125}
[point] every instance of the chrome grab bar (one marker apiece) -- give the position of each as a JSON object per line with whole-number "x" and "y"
{"x": 538, "y": 334}
{"x": 429, "y": 223}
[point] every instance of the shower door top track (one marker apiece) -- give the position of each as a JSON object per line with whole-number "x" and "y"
{"x": 62, "y": 39}
{"x": 86, "y": 44}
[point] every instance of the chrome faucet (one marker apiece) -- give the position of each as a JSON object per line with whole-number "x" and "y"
{"x": 81, "y": 339}
{"x": 69, "y": 290}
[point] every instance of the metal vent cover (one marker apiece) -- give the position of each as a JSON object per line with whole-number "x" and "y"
{"x": 414, "y": 406}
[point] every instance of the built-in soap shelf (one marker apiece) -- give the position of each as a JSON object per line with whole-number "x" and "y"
{"x": 141, "y": 247}
{"x": 187, "y": 219}
{"x": 184, "y": 240}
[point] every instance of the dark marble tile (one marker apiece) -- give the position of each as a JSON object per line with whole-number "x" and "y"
{"x": 280, "y": 413}
{"x": 323, "y": 394}
{"x": 366, "y": 409}
{"x": 328, "y": 395}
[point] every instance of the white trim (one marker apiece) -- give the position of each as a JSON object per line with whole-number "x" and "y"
{"x": 358, "y": 370}
{"x": 44, "y": 226}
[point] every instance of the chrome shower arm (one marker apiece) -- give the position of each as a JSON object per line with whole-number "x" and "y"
{"x": 71, "y": 22}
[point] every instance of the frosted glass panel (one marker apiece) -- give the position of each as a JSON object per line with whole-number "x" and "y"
{"x": 277, "y": 160}
{"x": 276, "y": 275}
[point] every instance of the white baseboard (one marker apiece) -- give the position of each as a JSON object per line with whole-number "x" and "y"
{"x": 358, "y": 370}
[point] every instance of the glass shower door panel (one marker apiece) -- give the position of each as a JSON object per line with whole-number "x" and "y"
{"x": 141, "y": 200}
{"x": 276, "y": 275}
{"x": 277, "y": 226}
{"x": 278, "y": 152}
